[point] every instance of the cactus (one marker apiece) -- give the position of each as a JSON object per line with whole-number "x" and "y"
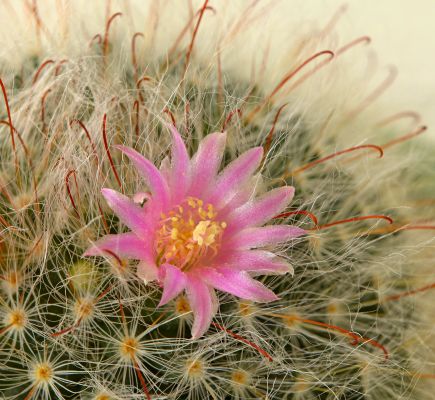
{"x": 352, "y": 322}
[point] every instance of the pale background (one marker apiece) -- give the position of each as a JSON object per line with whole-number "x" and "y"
{"x": 403, "y": 33}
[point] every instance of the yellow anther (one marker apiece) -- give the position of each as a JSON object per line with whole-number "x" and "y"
{"x": 189, "y": 233}
{"x": 200, "y": 230}
{"x": 209, "y": 239}
{"x": 191, "y": 202}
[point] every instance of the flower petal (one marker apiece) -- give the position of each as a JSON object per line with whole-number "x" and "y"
{"x": 174, "y": 281}
{"x": 264, "y": 236}
{"x": 128, "y": 212}
{"x": 165, "y": 169}
{"x": 238, "y": 283}
{"x": 147, "y": 271}
{"x": 261, "y": 210}
{"x": 141, "y": 197}
{"x": 179, "y": 175}
{"x": 205, "y": 163}
{"x": 203, "y": 302}
{"x": 244, "y": 193}
{"x": 234, "y": 175}
{"x": 154, "y": 179}
{"x": 258, "y": 262}
{"x": 126, "y": 245}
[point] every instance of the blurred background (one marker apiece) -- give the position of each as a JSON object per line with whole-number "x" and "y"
{"x": 403, "y": 34}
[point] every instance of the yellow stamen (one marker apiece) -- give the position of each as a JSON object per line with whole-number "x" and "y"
{"x": 190, "y": 233}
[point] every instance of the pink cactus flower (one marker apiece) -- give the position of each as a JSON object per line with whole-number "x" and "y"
{"x": 201, "y": 229}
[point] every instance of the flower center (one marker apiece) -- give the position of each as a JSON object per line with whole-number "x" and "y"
{"x": 188, "y": 233}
